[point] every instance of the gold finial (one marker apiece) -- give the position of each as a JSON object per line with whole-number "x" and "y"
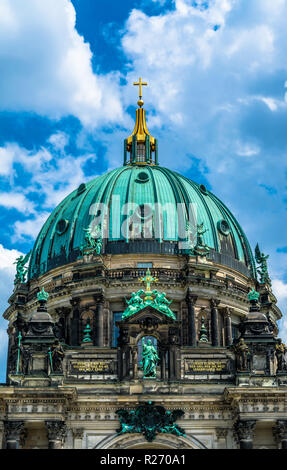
{"x": 140, "y": 84}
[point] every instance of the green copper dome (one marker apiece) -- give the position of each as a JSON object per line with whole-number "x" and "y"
{"x": 124, "y": 201}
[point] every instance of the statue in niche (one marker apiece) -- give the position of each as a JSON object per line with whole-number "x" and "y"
{"x": 242, "y": 354}
{"x": 134, "y": 304}
{"x": 26, "y": 359}
{"x": 56, "y": 355}
{"x": 149, "y": 359}
{"x": 280, "y": 353}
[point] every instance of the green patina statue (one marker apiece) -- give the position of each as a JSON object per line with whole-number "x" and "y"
{"x": 93, "y": 241}
{"x": 203, "y": 333}
{"x": 150, "y": 420}
{"x": 161, "y": 303}
{"x": 149, "y": 359}
{"x": 135, "y": 304}
{"x": 153, "y": 299}
{"x": 21, "y": 271}
{"x": 87, "y": 334}
{"x": 201, "y": 248}
{"x": 261, "y": 259}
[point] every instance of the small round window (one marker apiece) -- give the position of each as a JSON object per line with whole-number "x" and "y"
{"x": 81, "y": 188}
{"x": 203, "y": 189}
{"x": 224, "y": 227}
{"x": 142, "y": 177}
{"x": 62, "y": 226}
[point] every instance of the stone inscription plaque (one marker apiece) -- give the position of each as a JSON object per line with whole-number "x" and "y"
{"x": 207, "y": 366}
{"x": 92, "y": 367}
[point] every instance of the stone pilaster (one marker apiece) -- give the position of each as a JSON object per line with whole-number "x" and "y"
{"x": 244, "y": 431}
{"x": 78, "y": 434}
{"x": 75, "y": 322}
{"x": 15, "y": 434}
{"x": 280, "y": 433}
{"x": 228, "y": 327}
{"x": 221, "y": 435}
{"x": 56, "y": 431}
{"x": 100, "y": 322}
{"x": 191, "y": 300}
{"x": 214, "y": 322}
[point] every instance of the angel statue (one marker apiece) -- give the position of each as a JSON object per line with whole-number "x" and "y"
{"x": 21, "y": 271}
{"x": 261, "y": 259}
{"x": 161, "y": 303}
{"x": 134, "y": 304}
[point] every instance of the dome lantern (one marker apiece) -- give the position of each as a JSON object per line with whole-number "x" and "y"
{"x": 140, "y": 147}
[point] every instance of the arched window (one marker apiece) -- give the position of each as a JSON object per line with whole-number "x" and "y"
{"x": 117, "y": 316}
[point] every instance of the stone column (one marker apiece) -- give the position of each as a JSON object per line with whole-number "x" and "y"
{"x": 163, "y": 363}
{"x": 214, "y": 322}
{"x": 75, "y": 323}
{"x": 228, "y": 327}
{"x": 100, "y": 322}
{"x": 15, "y": 434}
{"x": 280, "y": 433}
{"x": 56, "y": 434}
{"x": 78, "y": 434}
{"x": 245, "y": 432}
{"x": 191, "y": 300}
{"x": 135, "y": 362}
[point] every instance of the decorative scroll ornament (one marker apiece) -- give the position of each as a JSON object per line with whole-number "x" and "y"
{"x": 150, "y": 420}
{"x": 93, "y": 241}
{"x": 201, "y": 248}
{"x": 253, "y": 296}
{"x": 153, "y": 299}
{"x": 21, "y": 271}
{"x": 42, "y": 296}
{"x": 261, "y": 259}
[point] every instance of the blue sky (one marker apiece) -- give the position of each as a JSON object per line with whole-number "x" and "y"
{"x": 217, "y": 99}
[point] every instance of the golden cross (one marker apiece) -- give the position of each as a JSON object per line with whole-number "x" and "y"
{"x": 140, "y": 84}
{"x": 148, "y": 279}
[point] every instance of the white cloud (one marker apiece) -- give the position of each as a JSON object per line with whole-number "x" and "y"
{"x": 46, "y": 65}
{"x": 14, "y": 200}
{"x": 29, "y": 228}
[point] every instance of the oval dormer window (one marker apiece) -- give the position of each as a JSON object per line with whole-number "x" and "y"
{"x": 62, "y": 226}
{"x": 224, "y": 227}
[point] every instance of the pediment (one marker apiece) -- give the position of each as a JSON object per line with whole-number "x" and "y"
{"x": 149, "y": 312}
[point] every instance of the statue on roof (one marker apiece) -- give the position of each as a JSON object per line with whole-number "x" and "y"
{"x": 201, "y": 248}
{"x": 21, "y": 270}
{"x": 93, "y": 241}
{"x": 134, "y": 304}
{"x": 161, "y": 303}
{"x": 261, "y": 259}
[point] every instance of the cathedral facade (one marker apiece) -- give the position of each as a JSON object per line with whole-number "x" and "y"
{"x": 142, "y": 320}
